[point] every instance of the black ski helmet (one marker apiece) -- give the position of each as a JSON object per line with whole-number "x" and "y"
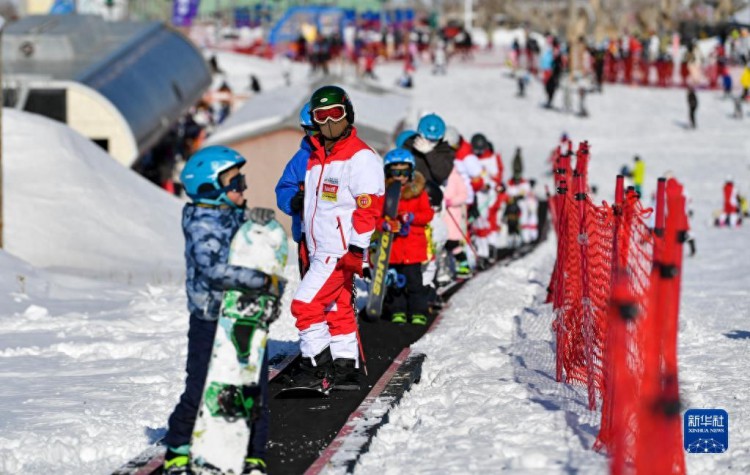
{"x": 331, "y": 95}
{"x": 479, "y": 144}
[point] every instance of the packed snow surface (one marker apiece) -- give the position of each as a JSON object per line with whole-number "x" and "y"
{"x": 90, "y": 370}
{"x": 70, "y": 207}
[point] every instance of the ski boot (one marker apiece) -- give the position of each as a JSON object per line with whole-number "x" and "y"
{"x": 419, "y": 319}
{"x": 463, "y": 271}
{"x": 314, "y": 376}
{"x": 345, "y": 375}
{"x": 254, "y": 466}
{"x": 177, "y": 461}
{"x": 398, "y": 317}
{"x": 494, "y": 255}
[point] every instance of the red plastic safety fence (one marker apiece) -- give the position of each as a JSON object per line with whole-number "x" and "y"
{"x": 615, "y": 295}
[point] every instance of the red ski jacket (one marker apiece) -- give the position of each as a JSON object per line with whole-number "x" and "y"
{"x": 412, "y": 248}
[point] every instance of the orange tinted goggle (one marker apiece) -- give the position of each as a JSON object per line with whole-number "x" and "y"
{"x": 336, "y": 112}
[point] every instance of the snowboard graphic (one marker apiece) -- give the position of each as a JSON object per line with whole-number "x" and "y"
{"x": 230, "y": 395}
{"x": 379, "y": 263}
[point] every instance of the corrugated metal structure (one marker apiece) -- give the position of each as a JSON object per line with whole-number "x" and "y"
{"x": 122, "y": 84}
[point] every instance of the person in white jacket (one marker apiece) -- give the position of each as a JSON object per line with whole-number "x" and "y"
{"x": 344, "y": 188}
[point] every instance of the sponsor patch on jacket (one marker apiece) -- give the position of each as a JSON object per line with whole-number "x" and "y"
{"x": 364, "y": 201}
{"x": 330, "y": 192}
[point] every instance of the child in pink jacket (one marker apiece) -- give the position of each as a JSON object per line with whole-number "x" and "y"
{"x": 455, "y": 196}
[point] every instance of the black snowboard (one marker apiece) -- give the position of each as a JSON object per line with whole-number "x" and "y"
{"x": 379, "y": 263}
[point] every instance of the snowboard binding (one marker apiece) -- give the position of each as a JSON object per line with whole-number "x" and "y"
{"x": 230, "y": 402}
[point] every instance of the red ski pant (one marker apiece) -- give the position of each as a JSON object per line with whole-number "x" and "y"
{"x": 324, "y": 310}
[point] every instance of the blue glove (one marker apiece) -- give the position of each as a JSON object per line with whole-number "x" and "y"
{"x": 407, "y": 217}
{"x": 405, "y": 228}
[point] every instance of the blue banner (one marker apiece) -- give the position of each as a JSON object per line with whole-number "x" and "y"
{"x": 183, "y": 12}
{"x": 63, "y": 7}
{"x": 242, "y": 17}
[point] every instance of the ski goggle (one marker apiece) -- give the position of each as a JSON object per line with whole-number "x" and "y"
{"x": 398, "y": 173}
{"x": 237, "y": 183}
{"x": 335, "y": 113}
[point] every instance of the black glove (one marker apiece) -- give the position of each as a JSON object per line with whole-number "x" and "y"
{"x": 474, "y": 210}
{"x": 298, "y": 201}
{"x": 260, "y": 215}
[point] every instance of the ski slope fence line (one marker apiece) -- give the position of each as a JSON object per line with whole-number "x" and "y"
{"x": 615, "y": 291}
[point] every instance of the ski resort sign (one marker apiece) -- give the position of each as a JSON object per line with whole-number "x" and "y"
{"x": 184, "y": 11}
{"x": 706, "y": 431}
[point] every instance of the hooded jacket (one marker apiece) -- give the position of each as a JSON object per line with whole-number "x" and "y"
{"x": 412, "y": 248}
{"x": 344, "y": 190}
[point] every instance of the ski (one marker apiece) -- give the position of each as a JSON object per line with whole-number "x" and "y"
{"x": 379, "y": 264}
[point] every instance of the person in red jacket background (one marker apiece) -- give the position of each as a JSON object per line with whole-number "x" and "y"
{"x": 409, "y": 249}
{"x": 731, "y": 211}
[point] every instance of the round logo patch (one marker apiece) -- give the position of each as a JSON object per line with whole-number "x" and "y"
{"x": 323, "y": 99}
{"x": 364, "y": 201}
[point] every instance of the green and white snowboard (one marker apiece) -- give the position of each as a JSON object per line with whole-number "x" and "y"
{"x": 230, "y": 396}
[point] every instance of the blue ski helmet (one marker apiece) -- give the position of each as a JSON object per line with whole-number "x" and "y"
{"x": 200, "y": 177}
{"x": 404, "y": 136}
{"x": 305, "y": 119}
{"x": 399, "y": 155}
{"x": 431, "y": 127}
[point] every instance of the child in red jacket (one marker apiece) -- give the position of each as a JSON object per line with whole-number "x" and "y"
{"x": 409, "y": 249}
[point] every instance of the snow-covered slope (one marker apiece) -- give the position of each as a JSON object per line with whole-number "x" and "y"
{"x": 69, "y": 206}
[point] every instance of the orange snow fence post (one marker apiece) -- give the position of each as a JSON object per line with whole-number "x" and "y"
{"x": 615, "y": 291}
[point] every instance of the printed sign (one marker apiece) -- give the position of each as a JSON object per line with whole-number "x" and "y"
{"x": 706, "y": 431}
{"x": 184, "y": 11}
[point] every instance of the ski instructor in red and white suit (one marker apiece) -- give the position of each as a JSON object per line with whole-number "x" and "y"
{"x": 344, "y": 188}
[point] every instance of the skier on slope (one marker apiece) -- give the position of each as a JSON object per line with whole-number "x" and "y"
{"x": 456, "y": 194}
{"x": 468, "y": 166}
{"x": 214, "y": 183}
{"x": 485, "y": 197}
{"x": 518, "y": 190}
{"x": 290, "y": 190}
{"x": 492, "y": 172}
{"x": 730, "y": 215}
{"x": 410, "y": 244}
{"x": 638, "y": 174}
{"x": 434, "y": 158}
{"x": 344, "y": 188}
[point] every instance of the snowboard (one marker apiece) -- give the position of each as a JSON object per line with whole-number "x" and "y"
{"x": 231, "y": 393}
{"x": 379, "y": 264}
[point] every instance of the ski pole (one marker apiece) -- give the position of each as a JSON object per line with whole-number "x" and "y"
{"x": 356, "y": 320}
{"x": 361, "y": 351}
{"x": 466, "y": 238}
